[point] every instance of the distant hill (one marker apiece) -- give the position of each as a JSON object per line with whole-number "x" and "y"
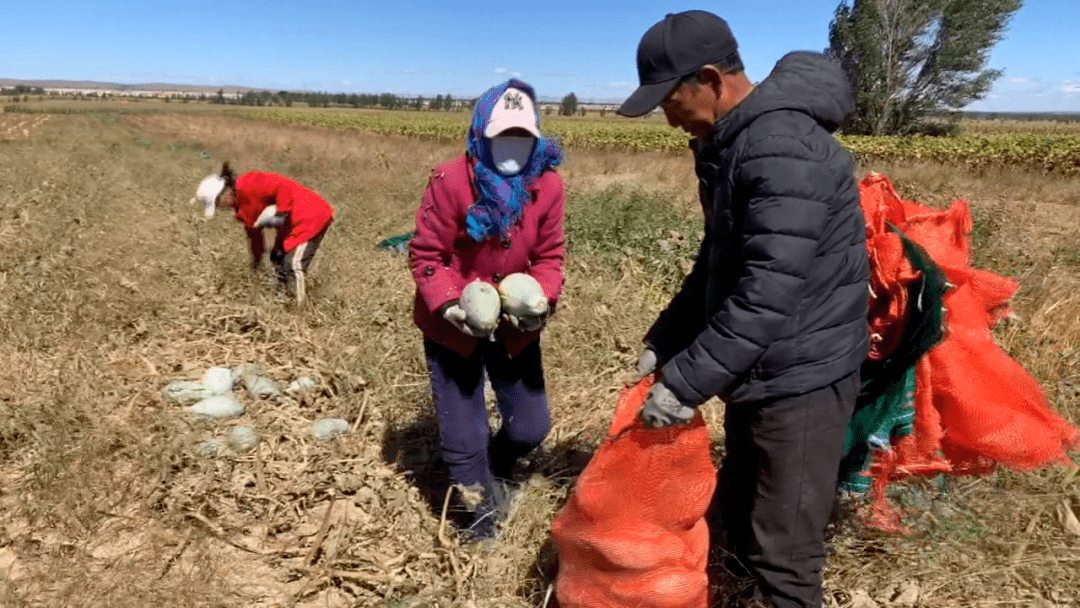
{"x": 1053, "y": 116}
{"x": 116, "y": 86}
{"x": 229, "y": 90}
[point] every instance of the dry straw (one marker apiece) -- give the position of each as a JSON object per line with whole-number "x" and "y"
{"x": 112, "y": 285}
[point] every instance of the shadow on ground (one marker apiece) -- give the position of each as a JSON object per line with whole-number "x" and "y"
{"x": 414, "y": 447}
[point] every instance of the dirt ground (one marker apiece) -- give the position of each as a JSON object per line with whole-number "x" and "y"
{"x": 112, "y": 285}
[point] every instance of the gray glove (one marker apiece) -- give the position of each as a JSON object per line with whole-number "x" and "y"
{"x": 455, "y": 314}
{"x": 646, "y": 363}
{"x": 662, "y": 408}
{"x": 529, "y": 323}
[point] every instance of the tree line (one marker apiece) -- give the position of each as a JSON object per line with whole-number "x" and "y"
{"x": 912, "y": 64}
{"x": 22, "y": 89}
{"x": 387, "y": 101}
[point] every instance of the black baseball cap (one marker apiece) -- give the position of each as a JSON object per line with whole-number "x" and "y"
{"x": 675, "y": 48}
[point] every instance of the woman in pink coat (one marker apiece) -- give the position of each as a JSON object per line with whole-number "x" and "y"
{"x": 495, "y": 210}
{"x": 268, "y": 200}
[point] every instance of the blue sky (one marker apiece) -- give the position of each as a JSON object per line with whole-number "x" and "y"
{"x": 459, "y": 47}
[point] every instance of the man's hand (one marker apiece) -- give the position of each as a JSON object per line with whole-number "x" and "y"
{"x": 526, "y": 323}
{"x": 646, "y": 363}
{"x": 455, "y": 314}
{"x": 662, "y": 408}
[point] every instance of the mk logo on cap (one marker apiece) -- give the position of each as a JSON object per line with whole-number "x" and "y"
{"x": 513, "y": 101}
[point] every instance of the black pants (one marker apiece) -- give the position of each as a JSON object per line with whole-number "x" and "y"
{"x": 777, "y": 485}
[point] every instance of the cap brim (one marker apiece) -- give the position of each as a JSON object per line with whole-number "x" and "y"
{"x": 646, "y": 98}
{"x": 494, "y": 128}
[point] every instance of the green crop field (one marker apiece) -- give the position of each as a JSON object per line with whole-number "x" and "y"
{"x": 1047, "y": 147}
{"x": 1055, "y": 152}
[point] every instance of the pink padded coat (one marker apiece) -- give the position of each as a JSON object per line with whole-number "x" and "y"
{"x": 443, "y": 258}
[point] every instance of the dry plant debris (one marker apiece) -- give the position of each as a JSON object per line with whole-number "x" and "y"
{"x": 111, "y": 287}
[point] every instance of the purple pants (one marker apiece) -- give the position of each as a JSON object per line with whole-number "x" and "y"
{"x": 457, "y": 385}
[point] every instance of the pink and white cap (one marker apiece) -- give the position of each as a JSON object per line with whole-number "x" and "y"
{"x": 514, "y": 108}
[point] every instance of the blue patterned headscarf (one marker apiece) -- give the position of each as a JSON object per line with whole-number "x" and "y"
{"x": 502, "y": 198}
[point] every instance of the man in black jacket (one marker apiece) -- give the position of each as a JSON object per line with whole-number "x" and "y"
{"x": 773, "y": 317}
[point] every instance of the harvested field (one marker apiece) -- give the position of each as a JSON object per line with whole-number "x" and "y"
{"x": 111, "y": 285}
{"x": 13, "y": 126}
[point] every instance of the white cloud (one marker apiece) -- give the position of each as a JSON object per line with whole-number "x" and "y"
{"x": 516, "y": 74}
{"x": 1034, "y": 95}
{"x": 501, "y": 70}
{"x": 1018, "y": 80}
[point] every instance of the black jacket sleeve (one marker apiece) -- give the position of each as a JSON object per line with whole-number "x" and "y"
{"x": 786, "y": 187}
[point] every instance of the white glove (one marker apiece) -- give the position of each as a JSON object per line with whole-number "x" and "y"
{"x": 646, "y": 363}
{"x": 271, "y": 218}
{"x": 662, "y": 408}
{"x": 456, "y": 316}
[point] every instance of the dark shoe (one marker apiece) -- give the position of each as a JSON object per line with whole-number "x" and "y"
{"x": 489, "y": 514}
{"x": 484, "y": 526}
{"x": 277, "y": 256}
{"x": 505, "y": 491}
{"x": 503, "y": 454}
{"x": 482, "y": 502}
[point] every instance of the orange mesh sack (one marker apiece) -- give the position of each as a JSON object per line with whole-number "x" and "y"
{"x": 976, "y": 407}
{"x": 992, "y": 410}
{"x": 890, "y": 272}
{"x": 633, "y": 532}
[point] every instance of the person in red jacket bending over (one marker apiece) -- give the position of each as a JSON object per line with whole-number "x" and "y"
{"x": 265, "y": 200}
{"x": 495, "y": 210}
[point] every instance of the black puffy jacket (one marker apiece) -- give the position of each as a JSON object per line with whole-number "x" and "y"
{"x": 776, "y": 304}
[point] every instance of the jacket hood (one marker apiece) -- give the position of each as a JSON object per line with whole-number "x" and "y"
{"x": 802, "y": 81}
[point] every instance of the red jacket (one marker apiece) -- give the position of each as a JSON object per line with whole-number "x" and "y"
{"x": 444, "y": 258}
{"x": 308, "y": 213}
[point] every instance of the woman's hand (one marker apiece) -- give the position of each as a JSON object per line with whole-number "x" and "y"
{"x": 526, "y": 323}
{"x": 456, "y": 316}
